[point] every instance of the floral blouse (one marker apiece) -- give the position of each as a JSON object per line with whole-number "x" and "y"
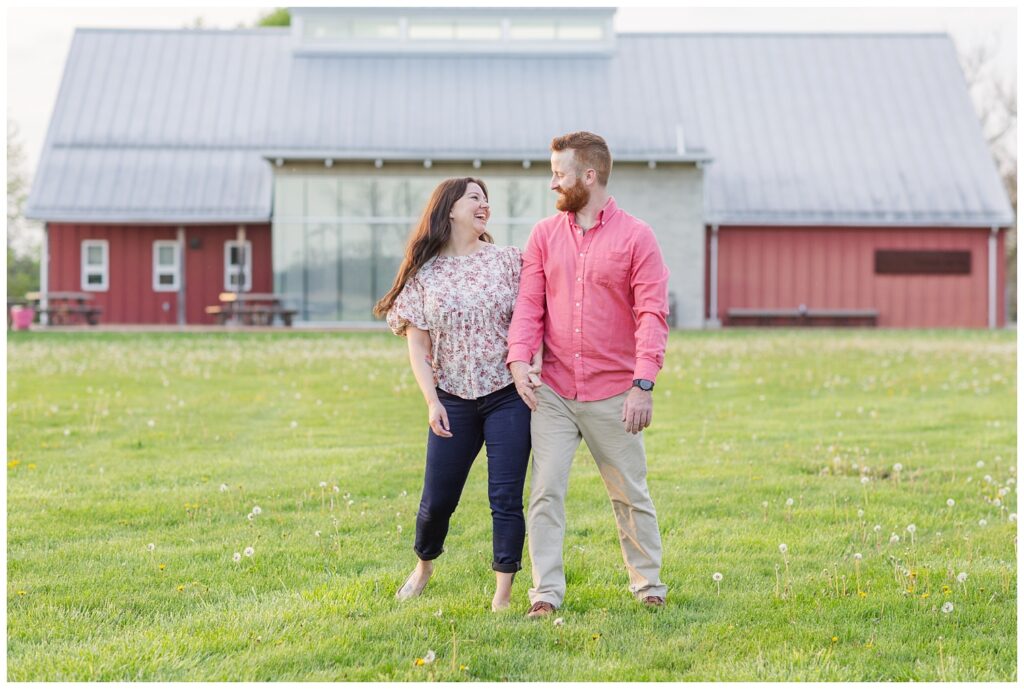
{"x": 465, "y": 302}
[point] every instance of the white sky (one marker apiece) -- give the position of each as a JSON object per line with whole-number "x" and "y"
{"x": 38, "y": 38}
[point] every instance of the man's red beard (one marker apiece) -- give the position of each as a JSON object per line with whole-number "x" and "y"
{"x": 574, "y": 198}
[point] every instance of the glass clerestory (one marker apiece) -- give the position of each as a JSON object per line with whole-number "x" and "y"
{"x": 338, "y": 239}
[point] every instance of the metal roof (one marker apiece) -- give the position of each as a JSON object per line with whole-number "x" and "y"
{"x": 176, "y": 125}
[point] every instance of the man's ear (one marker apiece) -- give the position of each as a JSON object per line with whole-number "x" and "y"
{"x": 590, "y": 176}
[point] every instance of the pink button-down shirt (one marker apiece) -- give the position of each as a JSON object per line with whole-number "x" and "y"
{"x": 599, "y": 300}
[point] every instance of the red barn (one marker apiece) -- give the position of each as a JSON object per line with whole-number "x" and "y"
{"x": 791, "y": 178}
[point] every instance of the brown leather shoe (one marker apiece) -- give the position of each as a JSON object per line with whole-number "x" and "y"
{"x": 540, "y": 609}
{"x": 653, "y": 601}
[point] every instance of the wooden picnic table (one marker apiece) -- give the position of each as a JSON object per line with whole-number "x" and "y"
{"x": 66, "y": 308}
{"x": 251, "y": 308}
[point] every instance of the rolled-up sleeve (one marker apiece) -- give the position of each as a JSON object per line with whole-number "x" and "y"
{"x": 649, "y": 282}
{"x": 526, "y": 330}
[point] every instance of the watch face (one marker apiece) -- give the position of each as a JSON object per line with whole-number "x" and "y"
{"x": 645, "y": 385}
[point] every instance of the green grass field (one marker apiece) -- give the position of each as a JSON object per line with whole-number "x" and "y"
{"x": 119, "y": 441}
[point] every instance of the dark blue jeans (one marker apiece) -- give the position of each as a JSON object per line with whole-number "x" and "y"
{"x": 501, "y": 421}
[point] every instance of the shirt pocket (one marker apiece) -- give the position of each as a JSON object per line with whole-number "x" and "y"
{"x": 611, "y": 269}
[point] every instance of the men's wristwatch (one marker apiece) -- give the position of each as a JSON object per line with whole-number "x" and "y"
{"x": 643, "y": 384}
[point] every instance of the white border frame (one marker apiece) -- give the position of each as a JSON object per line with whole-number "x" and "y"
{"x": 158, "y": 270}
{"x": 87, "y": 269}
{"x": 230, "y": 269}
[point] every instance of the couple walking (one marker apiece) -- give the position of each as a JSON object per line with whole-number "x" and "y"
{"x": 543, "y": 348}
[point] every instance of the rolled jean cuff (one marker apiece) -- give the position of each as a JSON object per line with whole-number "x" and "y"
{"x": 426, "y": 557}
{"x": 507, "y": 567}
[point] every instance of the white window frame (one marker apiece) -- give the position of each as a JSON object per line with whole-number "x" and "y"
{"x": 102, "y": 270}
{"x": 174, "y": 270}
{"x": 232, "y": 269}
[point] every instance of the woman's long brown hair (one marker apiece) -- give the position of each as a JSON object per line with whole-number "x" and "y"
{"x": 429, "y": 236}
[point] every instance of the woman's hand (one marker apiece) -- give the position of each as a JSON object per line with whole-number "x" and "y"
{"x": 438, "y": 419}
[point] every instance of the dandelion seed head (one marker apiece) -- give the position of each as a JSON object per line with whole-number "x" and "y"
{"x": 336, "y": 489}
{"x": 317, "y": 533}
{"x": 430, "y": 657}
{"x": 947, "y": 607}
{"x": 150, "y": 547}
{"x": 860, "y": 513}
{"x": 558, "y": 621}
{"x": 323, "y": 484}
{"x": 783, "y": 548}
{"x": 897, "y": 467}
{"x": 764, "y": 504}
{"x": 237, "y": 557}
{"x": 151, "y": 423}
{"x": 864, "y": 480}
{"x": 250, "y": 516}
{"x": 982, "y": 522}
{"x": 877, "y": 528}
{"x": 894, "y": 539}
{"x": 961, "y": 577}
{"x": 950, "y": 502}
{"x": 249, "y": 551}
{"x": 980, "y": 464}
{"x": 911, "y": 528}
{"x": 789, "y": 502}
{"x": 858, "y": 556}
{"x": 1012, "y": 518}
{"x": 223, "y": 488}
{"x": 294, "y": 424}
{"x": 717, "y": 576}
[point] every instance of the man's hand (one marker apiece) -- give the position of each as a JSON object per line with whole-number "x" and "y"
{"x": 520, "y": 371}
{"x": 437, "y": 417}
{"x": 637, "y": 410}
{"x": 535, "y": 368}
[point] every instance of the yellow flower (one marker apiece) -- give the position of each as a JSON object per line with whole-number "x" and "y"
{"x": 946, "y": 589}
{"x": 419, "y": 661}
{"x": 22, "y": 593}
{"x": 181, "y": 587}
{"x": 925, "y": 594}
{"x": 32, "y": 466}
{"x": 862, "y": 594}
{"x": 869, "y": 645}
{"x": 596, "y": 636}
{"x": 13, "y": 463}
{"x": 835, "y": 639}
{"x": 463, "y": 667}
{"x": 162, "y": 566}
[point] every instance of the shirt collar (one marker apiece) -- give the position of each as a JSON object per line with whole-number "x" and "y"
{"x": 604, "y": 215}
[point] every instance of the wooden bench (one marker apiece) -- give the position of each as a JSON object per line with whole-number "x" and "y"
{"x": 802, "y": 317}
{"x": 250, "y": 308}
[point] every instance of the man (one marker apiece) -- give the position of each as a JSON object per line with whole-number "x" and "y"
{"x": 593, "y": 289}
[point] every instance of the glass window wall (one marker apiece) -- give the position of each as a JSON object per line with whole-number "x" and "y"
{"x": 338, "y": 240}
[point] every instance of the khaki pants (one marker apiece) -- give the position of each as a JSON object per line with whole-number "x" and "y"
{"x": 557, "y": 427}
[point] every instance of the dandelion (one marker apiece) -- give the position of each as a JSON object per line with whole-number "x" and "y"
{"x": 250, "y": 516}
{"x": 237, "y": 557}
{"x": 323, "y": 484}
{"x": 789, "y": 502}
{"x": 894, "y": 538}
{"x": 911, "y": 529}
{"x": 947, "y": 607}
{"x": 856, "y": 568}
{"x": 559, "y": 621}
{"x": 294, "y": 424}
{"x": 950, "y": 502}
{"x": 1013, "y": 517}
{"x": 249, "y": 551}
{"x": 151, "y": 547}
{"x": 162, "y": 566}
{"x": 336, "y": 489}
{"x": 151, "y": 423}
{"x": 897, "y": 467}
{"x": 181, "y": 587}
{"x": 223, "y": 488}
{"x": 982, "y": 522}
{"x": 717, "y": 578}
{"x": 764, "y": 506}
{"x": 961, "y": 577}
{"x": 860, "y": 514}
{"x": 317, "y": 533}
{"x": 783, "y": 548}
{"x": 427, "y": 659}
{"x": 256, "y": 509}
{"x": 980, "y": 464}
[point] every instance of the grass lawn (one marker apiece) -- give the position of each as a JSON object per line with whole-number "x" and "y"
{"x": 134, "y": 461}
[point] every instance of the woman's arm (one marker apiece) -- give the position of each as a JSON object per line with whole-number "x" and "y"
{"x": 419, "y": 359}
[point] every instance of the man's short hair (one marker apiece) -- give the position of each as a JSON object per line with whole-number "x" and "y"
{"x": 591, "y": 152}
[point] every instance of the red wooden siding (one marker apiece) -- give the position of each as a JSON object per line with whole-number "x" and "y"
{"x": 130, "y": 297}
{"x": 822, "y": 268}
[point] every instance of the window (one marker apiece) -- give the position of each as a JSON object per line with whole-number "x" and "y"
{"x": 95, "y": 265}
{"x": 166, "y": 266}
{"x": 237, "y": 266}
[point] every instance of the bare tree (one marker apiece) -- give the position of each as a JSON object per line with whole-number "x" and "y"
{"x": 995, "y": 101}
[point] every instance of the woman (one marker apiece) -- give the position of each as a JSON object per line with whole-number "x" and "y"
{"x": 453, "y": 299}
